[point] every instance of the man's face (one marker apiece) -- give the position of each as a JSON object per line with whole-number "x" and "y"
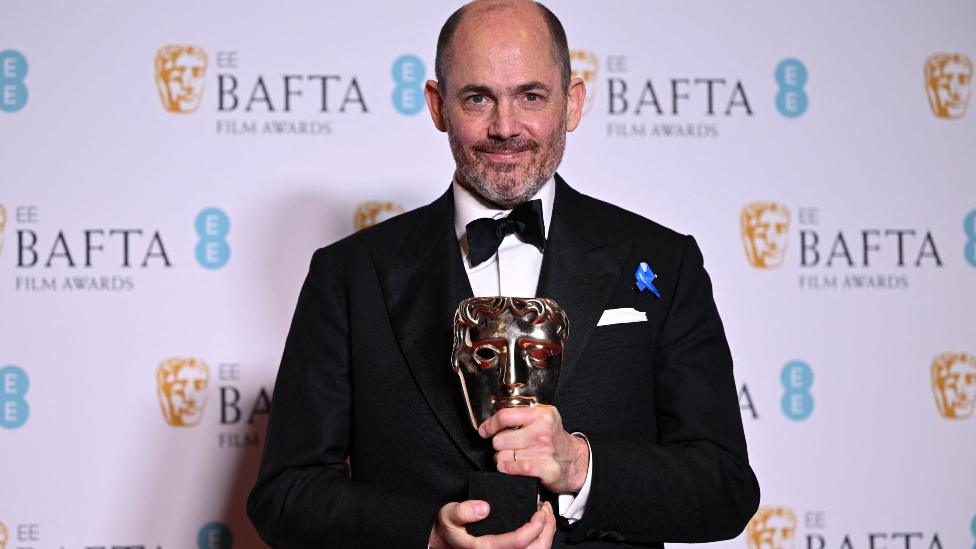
{"x": 511, "y": 356}
{"x": 503, "y": 105}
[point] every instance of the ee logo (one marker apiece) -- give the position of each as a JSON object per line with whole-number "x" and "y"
{"x": 797, "y": 402}
{"x": 972, "y": 528}
{"x": 215, "y": 535}
{"x": 13, "y": 388}
{"x": 212, "y": 250}
{"x": 969, "y": 226}
{"x": 408, "y": 94}
{"x": 791, "y": 76}
{"x": 13, "y": 70}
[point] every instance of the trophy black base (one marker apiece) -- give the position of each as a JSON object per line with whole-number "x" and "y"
{"x": 513, "y": 500}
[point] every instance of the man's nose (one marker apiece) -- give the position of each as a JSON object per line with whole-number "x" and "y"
{"x": 504, "y": 123}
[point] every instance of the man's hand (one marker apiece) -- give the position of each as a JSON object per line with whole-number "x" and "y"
{"x": 531, "y": 442}
{"x": 449, "y": 530}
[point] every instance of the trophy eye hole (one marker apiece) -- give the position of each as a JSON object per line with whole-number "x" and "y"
{"x": 538, "y": 356}
{"x": 486, "y": 356}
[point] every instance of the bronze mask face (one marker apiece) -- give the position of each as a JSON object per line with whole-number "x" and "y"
{"x": 508, "y": 352}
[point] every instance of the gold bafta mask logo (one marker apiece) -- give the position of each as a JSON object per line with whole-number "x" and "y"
{"x": 372, "y": 212}
{"x": 948, "y": 79}
{"x": 180, "y": 77}
{"x": 181, "y": 385}
{"x": 3, "y": 226}
{"x": 771, "y": 528}
{"x": 3, "y": 535}
{"x": 584, "y": 65}
{"x": 954, "y": 384}
{"x": 765, "y": 231}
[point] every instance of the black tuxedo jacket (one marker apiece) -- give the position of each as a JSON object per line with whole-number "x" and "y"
{"x": 366, "y": 375}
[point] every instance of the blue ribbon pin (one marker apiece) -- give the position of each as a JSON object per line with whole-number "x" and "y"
{"x": 645, "y": 279}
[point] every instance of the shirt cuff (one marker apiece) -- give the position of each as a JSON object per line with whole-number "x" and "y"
{"x": 571, "y": 507}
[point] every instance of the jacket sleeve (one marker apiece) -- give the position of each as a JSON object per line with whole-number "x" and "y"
{"x": 693, "y": 483}
{"x": 304, "y": 496}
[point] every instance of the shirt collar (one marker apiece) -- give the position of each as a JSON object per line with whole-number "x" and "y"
{"x": 467, "y": 207}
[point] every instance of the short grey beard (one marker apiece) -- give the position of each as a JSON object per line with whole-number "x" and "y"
{"x": 472, "y": 179}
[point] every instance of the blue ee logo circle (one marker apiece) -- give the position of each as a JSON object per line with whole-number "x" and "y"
{"x": 797, "y": 402}
{"x": 972, "y": 528}
{"x": 214, "y": 535}
{"x": 791, "y": 77}
{"x": 969, "y": 226}
{"x": 13, "y": 70}
{"x": 408, "y": 94}
{"x": 212, "y": 250}
{"x": 13, "y": 388}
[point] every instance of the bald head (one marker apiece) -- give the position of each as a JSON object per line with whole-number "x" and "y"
{"x": 522, "y": 16}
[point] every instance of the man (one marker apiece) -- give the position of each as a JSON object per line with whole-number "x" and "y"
{"x": 644, "y": 443}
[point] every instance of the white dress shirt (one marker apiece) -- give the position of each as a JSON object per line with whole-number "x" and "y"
{"x": 513, "y": 271}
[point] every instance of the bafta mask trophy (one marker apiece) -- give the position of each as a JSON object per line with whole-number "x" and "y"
{"x": 507, "y": 353}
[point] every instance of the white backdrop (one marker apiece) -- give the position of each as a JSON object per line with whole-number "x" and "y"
{"x": 88, "y": 458}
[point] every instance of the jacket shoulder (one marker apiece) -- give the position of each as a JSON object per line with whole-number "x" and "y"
{"x": 619, "y": 221}
{"x": 387, "y": 237}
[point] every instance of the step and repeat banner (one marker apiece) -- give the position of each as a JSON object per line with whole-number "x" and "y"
{"x": 167, "y": 170}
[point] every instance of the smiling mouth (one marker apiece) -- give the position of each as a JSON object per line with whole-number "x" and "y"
{"x": 503, "y": 156}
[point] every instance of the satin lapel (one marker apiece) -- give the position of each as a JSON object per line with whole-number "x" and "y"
{"x": 579, "y": 269}
{"x": 422, "y": 286}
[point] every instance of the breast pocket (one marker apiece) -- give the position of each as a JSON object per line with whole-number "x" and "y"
{"x": 610, "y": 390}
{"x": 615, "y": 337}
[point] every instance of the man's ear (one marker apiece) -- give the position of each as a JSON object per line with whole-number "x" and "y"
{"x": 435, "y": 104}
{"x": 574, "y": 103}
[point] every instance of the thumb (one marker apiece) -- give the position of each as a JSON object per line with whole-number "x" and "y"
{"x": 468, "y": 511}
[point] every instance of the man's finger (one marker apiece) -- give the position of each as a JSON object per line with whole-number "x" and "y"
{"x": 521, "y": 538}
{"x": 467, "y": 512}
{"x": 504, "y": 419}
{"x": 528, "y": 436}
{"x": 544, "y": 541}
{"x": 524, "y": 468}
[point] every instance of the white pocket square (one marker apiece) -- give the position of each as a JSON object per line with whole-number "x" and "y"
{"x": 620, "y": 316}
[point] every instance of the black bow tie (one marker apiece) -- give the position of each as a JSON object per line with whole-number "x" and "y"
{"x": 525, "y": 222}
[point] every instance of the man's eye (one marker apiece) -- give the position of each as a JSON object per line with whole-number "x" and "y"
{"x": 532, "y": 97}
{"x": 477, "y": 99}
